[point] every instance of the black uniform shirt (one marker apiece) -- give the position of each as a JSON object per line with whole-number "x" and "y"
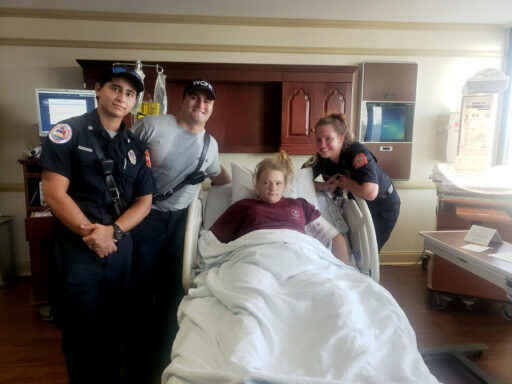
{"x": 68, "y": 151}
{"x": 356, "y": 162}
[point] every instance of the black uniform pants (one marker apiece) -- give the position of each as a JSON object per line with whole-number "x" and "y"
{"x": 91, "y": 308}
{"x": 156, "y": 293}
{"x": 384, "y": 216}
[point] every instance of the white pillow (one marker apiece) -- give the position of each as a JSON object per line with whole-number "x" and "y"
{"x": 243, "y": 187}
{"x": 218, "y": 200}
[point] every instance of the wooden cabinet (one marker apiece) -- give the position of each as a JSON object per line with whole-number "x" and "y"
{"x": 389, "y": 81}
{"x": 38, "y": 229}
{"x": 388, "y": 95}
{"x": 303, "y": 104}
{"x": 259, "y": 108}
{"x": 393, "y": 158}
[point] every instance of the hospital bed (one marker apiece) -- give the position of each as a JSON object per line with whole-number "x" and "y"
{"x": 276, "y": 307}
{"x": 208, "y": 205}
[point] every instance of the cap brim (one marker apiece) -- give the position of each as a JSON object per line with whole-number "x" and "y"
{"x": 135, "y": 80}
{"x": 201, "y": 89}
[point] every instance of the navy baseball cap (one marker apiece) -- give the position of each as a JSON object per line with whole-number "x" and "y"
{"x": 199, "y": 85}
{"x": 126, "y": 73}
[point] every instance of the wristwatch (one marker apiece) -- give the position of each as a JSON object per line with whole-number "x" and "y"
{"x": 118, "y": 232}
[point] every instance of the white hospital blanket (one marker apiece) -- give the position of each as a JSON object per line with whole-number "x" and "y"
{"x": 275, "y": 306}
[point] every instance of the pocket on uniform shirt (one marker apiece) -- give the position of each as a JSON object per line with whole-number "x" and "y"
{"x": 127, "y": 169}
{"x": 87, "y": 161}
{"x": 86, "y": 155}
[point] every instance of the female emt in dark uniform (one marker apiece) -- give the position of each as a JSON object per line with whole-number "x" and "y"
{"x": 93, "y": 247}
{"x": 349, "y": 165}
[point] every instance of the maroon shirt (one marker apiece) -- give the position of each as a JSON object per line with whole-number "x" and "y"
{"x": 249, "y": 215}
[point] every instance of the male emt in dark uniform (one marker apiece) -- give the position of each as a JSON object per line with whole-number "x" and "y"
{"x": 346, "y": 164}
{"x": 93, "y": 246}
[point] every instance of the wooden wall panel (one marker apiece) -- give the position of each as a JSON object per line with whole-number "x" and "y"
{"x": 248, "y": 115}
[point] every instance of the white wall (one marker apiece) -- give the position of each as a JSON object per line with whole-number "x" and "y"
{"x": 41, "y": 52}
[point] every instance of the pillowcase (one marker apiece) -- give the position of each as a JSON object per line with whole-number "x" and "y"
{"x": 218, "y": 200}
{"x": 301, "y": 186}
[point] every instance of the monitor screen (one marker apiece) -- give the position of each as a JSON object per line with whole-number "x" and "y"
{"x": 55, "y": 105}
{"x": 388, "y": 122}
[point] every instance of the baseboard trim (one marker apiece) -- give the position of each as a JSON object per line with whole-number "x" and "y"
{"x": 24, "y": 268}
{"x": 399, "y": 258}
{"x": 12, "y": 187}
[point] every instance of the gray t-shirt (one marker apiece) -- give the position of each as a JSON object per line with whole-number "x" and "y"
{"x": 175, "y": 153}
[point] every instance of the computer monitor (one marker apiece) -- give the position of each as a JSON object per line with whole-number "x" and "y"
{"x": 388, "y": 122}
{"x": 54, "y": 105}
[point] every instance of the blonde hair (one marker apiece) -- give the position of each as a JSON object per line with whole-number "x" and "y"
{"x": 281, "y": 162}
{"x": 339, "y": 122}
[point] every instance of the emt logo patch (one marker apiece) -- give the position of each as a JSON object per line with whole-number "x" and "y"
{"x": 311, "y": 162}
{"x": 60, "y": 134}
{"x": 360, "y": 160}
{"x": 148, "y": 158}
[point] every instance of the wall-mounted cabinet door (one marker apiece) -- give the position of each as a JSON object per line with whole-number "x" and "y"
{"x": 303, "y": 104}
{"x": 393, "y": 158}
{"x": 389, "y": 81}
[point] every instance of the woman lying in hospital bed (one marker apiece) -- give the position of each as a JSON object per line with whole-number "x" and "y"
{"x": 273, "y": 305}
{"x": 273, "y": 211}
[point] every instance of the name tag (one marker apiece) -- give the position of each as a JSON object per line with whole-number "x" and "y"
{"x": 85, "y": 148}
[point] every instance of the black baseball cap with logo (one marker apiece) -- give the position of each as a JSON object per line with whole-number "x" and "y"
{"x": 126, "y": 73}
{"x": 199, "y": 85}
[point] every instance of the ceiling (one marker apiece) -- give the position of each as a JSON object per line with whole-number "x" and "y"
{"x": 437, "y": 11}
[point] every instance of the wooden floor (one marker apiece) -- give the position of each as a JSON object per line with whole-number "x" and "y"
{"x": 30, "y": 348}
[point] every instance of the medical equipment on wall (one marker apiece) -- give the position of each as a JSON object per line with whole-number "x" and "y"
{"x": 448, "y": 126}
{"x": 151, "y": 107}
{"x": 478, "y": 118}
{"x": 160, "y": 94}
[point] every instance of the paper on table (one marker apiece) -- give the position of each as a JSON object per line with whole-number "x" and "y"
{"x": 507, "y": 256}
{"x": 475, "y": 248}
{"x": 482, "y": 235}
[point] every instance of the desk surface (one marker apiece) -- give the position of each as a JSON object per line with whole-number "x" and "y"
{"x": 452, "y": 241}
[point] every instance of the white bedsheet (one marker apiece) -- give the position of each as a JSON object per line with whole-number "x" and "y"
{"x": 275, "y": 306}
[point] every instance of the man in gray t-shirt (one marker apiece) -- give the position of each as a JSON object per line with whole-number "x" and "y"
{"x": 175, "y": 145}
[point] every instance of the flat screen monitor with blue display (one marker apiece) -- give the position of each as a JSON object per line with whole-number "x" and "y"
{"x": 55, "y": 105}
{"x": 390, "y": 122}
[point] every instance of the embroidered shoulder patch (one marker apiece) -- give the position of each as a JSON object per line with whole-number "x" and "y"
{"x": 148, "y": 158}
{"x": 311, "y": 162}
{"x": 60, "y": 134}
{"x": 360, "y": 160}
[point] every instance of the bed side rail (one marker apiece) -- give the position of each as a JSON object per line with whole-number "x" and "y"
{"x": 362, "y": 236}
{"x": 194, "y": 221}
{"x": 371, "y": 238}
